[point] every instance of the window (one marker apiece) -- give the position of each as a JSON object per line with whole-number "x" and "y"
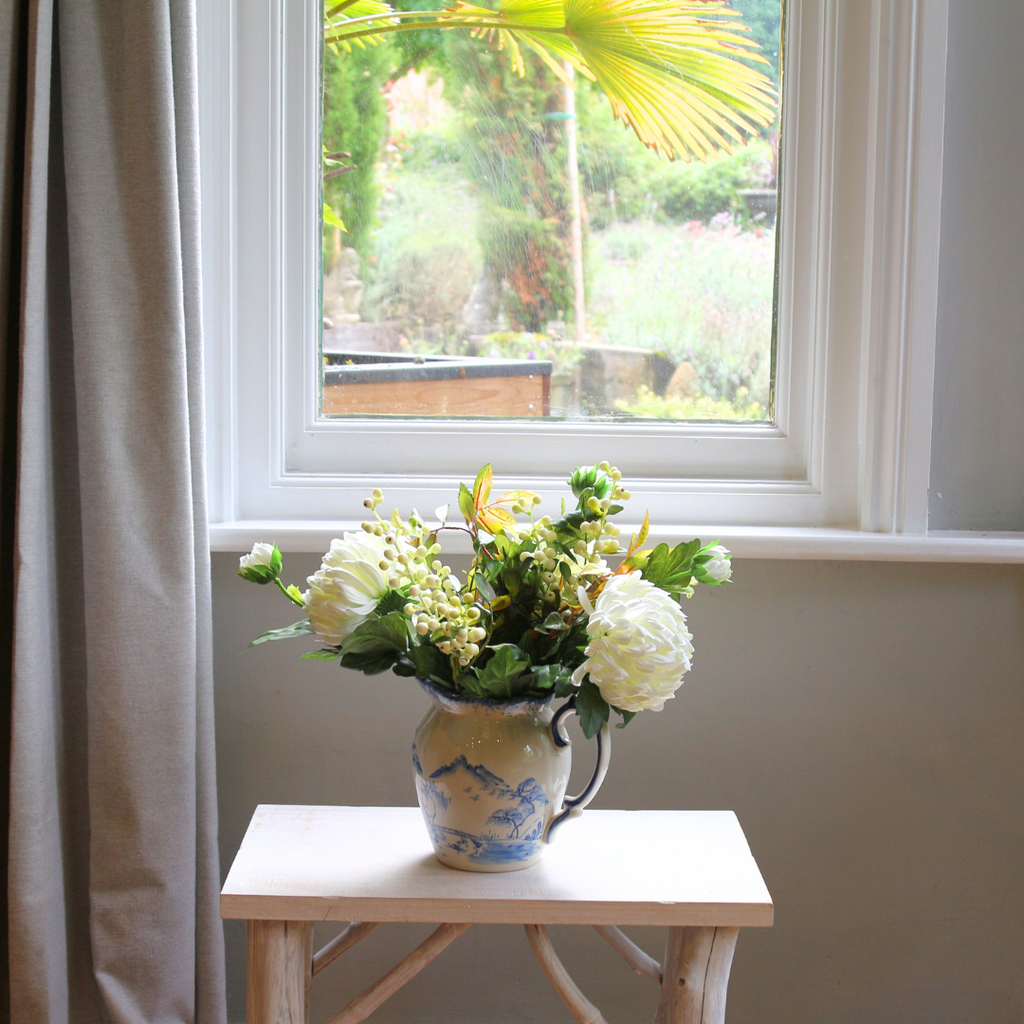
{"x": 514, "y": 251}
{"x": 849, "y": 446}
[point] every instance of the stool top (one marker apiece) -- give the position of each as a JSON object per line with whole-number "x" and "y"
{"x": 606, "y": 867}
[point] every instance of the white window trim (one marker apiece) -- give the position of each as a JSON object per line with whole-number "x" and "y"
{"x": 843, "y": 473}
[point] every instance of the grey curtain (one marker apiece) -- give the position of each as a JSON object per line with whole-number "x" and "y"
{"x": 112, "y": 873}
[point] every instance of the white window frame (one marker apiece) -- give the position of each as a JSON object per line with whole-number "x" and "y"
{"x": 843, "y": 472}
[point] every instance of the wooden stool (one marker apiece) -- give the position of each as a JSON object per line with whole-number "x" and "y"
{"x": 689, "y": 870}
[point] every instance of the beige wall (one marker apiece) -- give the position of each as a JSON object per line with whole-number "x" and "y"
{"x": 866, "y": 722}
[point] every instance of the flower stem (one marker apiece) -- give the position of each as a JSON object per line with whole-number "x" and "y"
{"x": 291, "y": 597}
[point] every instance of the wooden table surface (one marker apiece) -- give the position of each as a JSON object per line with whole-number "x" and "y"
{"x": 676, "y": 868}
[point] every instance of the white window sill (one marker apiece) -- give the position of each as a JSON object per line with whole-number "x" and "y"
{"x": 315, "y": 536}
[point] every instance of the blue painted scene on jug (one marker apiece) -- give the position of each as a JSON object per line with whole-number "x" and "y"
{"x": 510, "y": 834}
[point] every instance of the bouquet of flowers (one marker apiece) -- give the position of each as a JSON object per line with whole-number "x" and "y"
{"x": 541, "y": 611}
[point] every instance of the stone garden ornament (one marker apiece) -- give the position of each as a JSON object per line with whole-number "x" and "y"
{"x": 542, "y": 615}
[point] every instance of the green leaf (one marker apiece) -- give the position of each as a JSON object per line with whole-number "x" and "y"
{"x": 392, "y": 601}
{"x": 592, "y": 708}
{"x": 377, "y": 636}
{"x": 671, "y": 570}
{"x": 261, "y": 574}
{"x": 430, "y": 662}
{"x": 502, "y": 671}
{"x": 324, "y": 654}
{"x": 466, "y": 506}
{"x": 296, "y": 629}
{"x": 483, "y": 587}
{"x": 555, "y": 678}
{"x": 627, "y": 717}
{"x": 568, "y": 525}
{"x": 564, "y": 686}
{"x": 582, "y": 480}
{"x": 330, "y": 217}
{"x": 370, "y": 664}
{"x": 554, "y": 622}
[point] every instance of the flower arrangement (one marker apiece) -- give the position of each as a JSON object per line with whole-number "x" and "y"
{"x": 540, "y": 612}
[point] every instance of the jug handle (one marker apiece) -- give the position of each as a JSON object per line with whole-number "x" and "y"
{"x": 572, "y": 806}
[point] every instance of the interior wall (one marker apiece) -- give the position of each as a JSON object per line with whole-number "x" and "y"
{"x": 977, "y": 479}
{"x": 864, "y": 720}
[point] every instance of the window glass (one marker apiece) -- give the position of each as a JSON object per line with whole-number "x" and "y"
{"x": 497, "y": 244}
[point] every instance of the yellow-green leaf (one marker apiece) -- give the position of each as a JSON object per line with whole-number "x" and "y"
{"x": 330, "y": 217}
{"x": 525, "y": 498}
{"x": 482, "y": 486}
{"x": 495, "y": 519}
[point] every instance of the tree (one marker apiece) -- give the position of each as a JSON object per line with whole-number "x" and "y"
{"x": 354, "y": 126}
{"x": 515, "y": 158}
{"x": 676, "y": 72}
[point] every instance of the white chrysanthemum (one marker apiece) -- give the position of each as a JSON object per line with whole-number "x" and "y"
{"x": 345, "y": 590}
{"x": 261, "y": 554}
{"x": 639, "y": 646}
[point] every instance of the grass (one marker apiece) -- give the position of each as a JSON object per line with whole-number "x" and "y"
{"x": 698, "y": 294}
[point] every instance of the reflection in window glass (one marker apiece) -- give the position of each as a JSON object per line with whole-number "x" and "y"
{"x": 498, "y": 244}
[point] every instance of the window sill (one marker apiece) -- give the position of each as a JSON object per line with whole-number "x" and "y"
{"x": 744, "y": 541}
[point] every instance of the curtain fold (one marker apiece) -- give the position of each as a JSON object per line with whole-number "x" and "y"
{"x": 112, "y": 871}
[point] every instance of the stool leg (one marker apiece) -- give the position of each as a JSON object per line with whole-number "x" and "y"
{"x": 280, "y": 964}
{"x": 695, "y": 975}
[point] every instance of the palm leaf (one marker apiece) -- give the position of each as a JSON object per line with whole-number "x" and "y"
{"x": 339, "y": 15}
{"x": 673, "y": 71}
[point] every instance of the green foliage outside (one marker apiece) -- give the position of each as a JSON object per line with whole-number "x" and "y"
{"x": 355, "y": 122}
{"x": 623, "y": 181}
{"x": 700, "y": 295}
{"x": 514, "y": 160}
{"x": 485, "y": 193}
{"x": 763, "y": 18}
{"x": 651, "y": 406}
{"x": 426, "y": 251}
